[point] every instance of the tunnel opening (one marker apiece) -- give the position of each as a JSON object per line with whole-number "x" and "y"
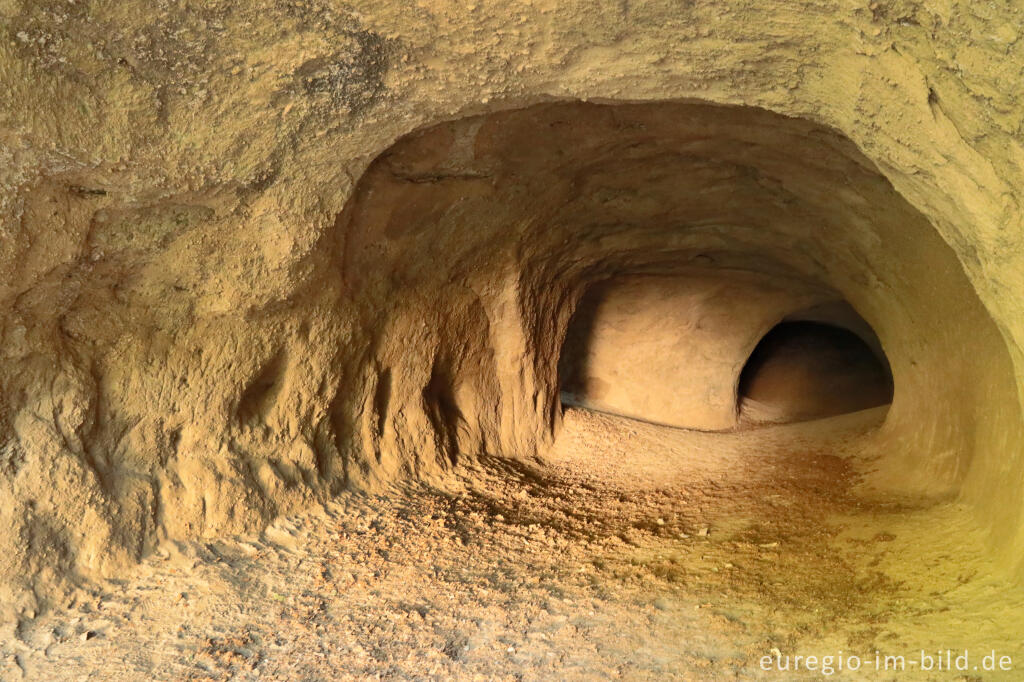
{"x": 628, "y": 258}
{"x": 674, "y": 349}
{"x": 666, "y": 347}
{"x": 535, "y": 295}
{"x": 725, "y": 326}
{"x": 804, "y": 370}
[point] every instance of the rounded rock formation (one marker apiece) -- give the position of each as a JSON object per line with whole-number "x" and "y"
{"x": 255, "y": 255}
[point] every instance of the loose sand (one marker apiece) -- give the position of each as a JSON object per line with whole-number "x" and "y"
{"x": 632, "y": 551}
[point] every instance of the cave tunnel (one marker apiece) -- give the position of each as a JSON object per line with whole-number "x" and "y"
{"x": 805, "y": 370}
{"x": 636, "y": 347}
{"x": 748, "y": 281}
{"x": 680, "y": 233}
{"x": 694, "y": 353}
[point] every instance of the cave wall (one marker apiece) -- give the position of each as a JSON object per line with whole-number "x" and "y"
{"x": 670, "y": 349}
{"x": 198, "y": 333}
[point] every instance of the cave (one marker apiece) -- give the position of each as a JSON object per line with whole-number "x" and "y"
{"x": 676, "y": 351}
{"x": 804, "y": 370}
{"x": 327, "y": 358}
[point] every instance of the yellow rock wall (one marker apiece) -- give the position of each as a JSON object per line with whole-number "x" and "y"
{"x": 205, "y": 323}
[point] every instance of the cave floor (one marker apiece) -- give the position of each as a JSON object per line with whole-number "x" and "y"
{"x": 631, "y": 551}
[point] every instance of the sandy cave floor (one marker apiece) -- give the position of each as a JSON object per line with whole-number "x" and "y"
{"x": 633, "y": 551}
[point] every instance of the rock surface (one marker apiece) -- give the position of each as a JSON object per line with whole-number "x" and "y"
{"x": 634, "y": 551}
{"x": 228, "y": 293}
{"x": 671, "y": 349}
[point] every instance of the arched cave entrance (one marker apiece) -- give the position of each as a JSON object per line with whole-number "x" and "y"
{"x": 804, "y": 370}
{"x": 634, "y": 256}
{"x": 676, "y": 351}
{"x": 678, "y": 235}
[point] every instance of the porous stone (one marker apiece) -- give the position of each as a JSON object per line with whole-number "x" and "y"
{"x": 256, "y": 254}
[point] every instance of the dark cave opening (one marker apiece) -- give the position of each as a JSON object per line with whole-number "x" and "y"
{"x": 803, "y": 370}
